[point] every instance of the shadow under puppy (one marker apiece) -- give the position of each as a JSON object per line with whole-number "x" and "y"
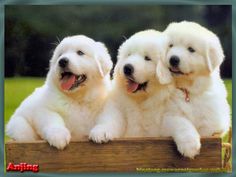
{"x": 198, "y": 107}
{"x": 137, "y": 101}
{"x": 66, "y": 106}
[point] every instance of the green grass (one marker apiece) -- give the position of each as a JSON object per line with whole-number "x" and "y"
{"x": 15, "y": 91}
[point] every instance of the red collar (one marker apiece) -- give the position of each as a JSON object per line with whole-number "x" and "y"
{"x": 186, "y": 93}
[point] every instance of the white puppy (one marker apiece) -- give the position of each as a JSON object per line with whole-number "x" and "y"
{"x": 198, "y": 106}
{"x": 66, "y": 106}
{"x": 137, "y": 100}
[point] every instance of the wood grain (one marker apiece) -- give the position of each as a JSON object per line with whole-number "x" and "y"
{"x": 121, "y": 155}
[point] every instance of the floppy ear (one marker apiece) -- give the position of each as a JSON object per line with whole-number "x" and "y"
{"x": 102, "y": 59}
{"x": 162, "y": 73}
{"x": 214, "y": 54}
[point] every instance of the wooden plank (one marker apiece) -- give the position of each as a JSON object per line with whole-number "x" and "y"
{"x": 121, "y": 155}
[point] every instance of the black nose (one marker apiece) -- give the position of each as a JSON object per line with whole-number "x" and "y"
{"x": 128, "y": 69}
{"x": 174, "y": 61}
{"x": 63, "y": 62}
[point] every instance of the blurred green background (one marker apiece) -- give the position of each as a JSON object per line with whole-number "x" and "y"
{"x": 32, "y": 32}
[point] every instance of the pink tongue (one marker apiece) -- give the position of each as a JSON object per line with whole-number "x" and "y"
{"x": 132, "y": 86}
{"x": 67, "y": 83}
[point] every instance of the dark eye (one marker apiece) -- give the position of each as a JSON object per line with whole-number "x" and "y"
{"x": 171, "y": 45}
{"x": 147, "y": 58}
{"x": 190, "y": 49}
{"x": 79, "y": 52}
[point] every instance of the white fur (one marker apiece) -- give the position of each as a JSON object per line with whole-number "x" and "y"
{"x": 207, "y": 112}
{"x": 135, "y": 114}
{"x": 56, "y": 115}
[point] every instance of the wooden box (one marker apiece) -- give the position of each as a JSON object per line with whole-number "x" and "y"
{"x": 120, "y": 155}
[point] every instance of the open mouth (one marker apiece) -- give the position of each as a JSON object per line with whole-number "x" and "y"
{"x": 70, "y": 81}
{"x": 133, "y": 87}
{"x": 176, "y": 71}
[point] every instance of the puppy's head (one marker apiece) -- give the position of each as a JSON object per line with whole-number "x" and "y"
{"x": 79, "y": 61}
{"x": 193, "y": 50}
{"x": 137, "y": 61}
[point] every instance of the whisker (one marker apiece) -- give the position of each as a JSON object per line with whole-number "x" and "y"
{"x": 58, "y": 40}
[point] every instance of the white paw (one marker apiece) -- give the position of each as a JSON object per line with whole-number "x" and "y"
{"x": 58, "y": 137}
{"x": 100, "y": 134}
{"x": 189, "y": 147}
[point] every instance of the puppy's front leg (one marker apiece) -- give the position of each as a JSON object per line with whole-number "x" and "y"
{"x": 110, "y": 124}
{"x": 51, "y": 127}
{"x": 184, "y": 134}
